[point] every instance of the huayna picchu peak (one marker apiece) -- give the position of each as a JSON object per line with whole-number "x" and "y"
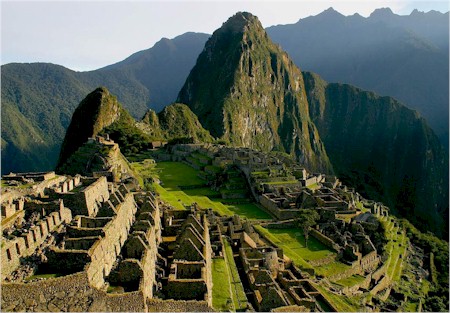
{"x": 246, "y": 91}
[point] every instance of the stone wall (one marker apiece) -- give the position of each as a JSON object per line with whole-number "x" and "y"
{"x": 10, "y": 207}
{"x": 87, "y": 200}
{"x": 370, "y": 261}
{"x": 188, "y": 289}
{"x": 102, "y": 252}
{"x": 155, "y": 305}
{"x": 380, "y": 272}
{"x": 324, "y": 239}
{"x": 95, "y": 193}
{"x": 68, "y": 184}
{"x": 105, "y": 251}
{"x": 24, "y": 245}
{"x": 70, "y": 293}
{"x": 273, "y": 208}
{"x": 382, "y": 284}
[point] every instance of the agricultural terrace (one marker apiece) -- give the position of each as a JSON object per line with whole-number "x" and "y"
{"x": 228, "y": 292}
{"x": 180, "y": 185}
{"x": 395, "y": 248}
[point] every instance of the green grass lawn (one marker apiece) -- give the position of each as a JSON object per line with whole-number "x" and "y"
{"x": 213, "y": 168}
{"x": 237, "y": 289}
{"x": 293, "y": 243}
{"x": 282, "y": 182}
{"x": 341, "y": 302}
{"x": 175, "y": 174}
{"x": 143, "y": 155}
{"x": 331, "y": 269}
{"x": 395, "y": 247}
{"x": 228, "y": 292}
{"x": 222, "y": 300}
{"x": 351, "y": 281}
{"x": 43, "y": 276}
{"x": 313, "y": 186}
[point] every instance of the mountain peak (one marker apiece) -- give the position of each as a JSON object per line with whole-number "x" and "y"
{"x": 240, "y": 21}
{"x": 382, "y": 13}
{"x": 246, "y": 91}
{"x": 330, "y": 12}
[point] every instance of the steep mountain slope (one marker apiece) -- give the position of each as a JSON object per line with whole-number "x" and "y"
{"x": 383, "y": 149}
{"x": 41, "y": 98}
{"x": 175, "y": 121}
{"x": 406, "y": 57}
{"x": 45, "y": 96}
{"x": 101, "y": 114}
{"x": 96, "y": 112}
{"x": 21, "y": 141}
{"x": 246, "y": 90}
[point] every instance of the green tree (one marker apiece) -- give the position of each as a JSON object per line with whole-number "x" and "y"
{"x": 306, "y": 219}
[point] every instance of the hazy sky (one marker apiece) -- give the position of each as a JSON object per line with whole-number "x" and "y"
{"x": 86, "y": 35}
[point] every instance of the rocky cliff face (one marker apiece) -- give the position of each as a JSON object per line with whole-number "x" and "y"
{"x": 245, "y": 90}
{"x": 98, "y": 110}
{"x": 383, "y": 149}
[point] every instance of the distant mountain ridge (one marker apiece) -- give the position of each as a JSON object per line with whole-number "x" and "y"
{"x": 405, "y": 57}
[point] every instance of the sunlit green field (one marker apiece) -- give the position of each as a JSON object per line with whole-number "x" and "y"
{"x": 293, "y": 243}
{"x": 175, "y": 176}
{"x": 228, "y": 292}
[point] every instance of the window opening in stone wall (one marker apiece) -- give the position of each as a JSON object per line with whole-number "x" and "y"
{"x": 17, "y": 248}
{"x": 8, "y": 254}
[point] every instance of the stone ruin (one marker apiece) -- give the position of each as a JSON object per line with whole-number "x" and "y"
{"x": 283, "y": 188}
{"x": 101, "y": 242}
{"x": 114, "y": 248}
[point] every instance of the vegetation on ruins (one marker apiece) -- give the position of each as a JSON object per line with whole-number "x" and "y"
{"x": 306, "y": 219}
{"x": 437, "y": 251}
{"x": 130, "y": 138}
